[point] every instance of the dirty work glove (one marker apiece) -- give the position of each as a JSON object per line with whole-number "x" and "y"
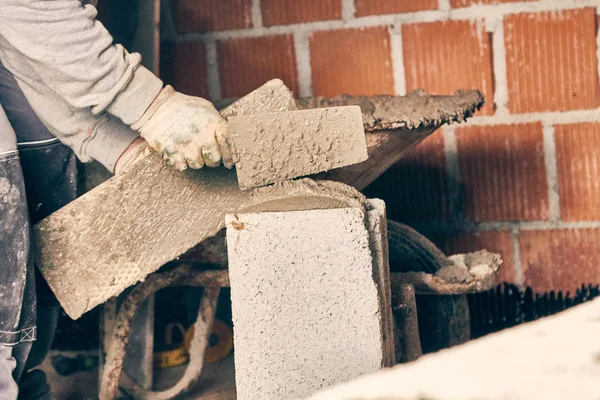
{"x": 137, "y": 150}
{"x": 183, "y": 129}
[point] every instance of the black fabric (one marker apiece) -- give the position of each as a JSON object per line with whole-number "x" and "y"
{"x": 47, "y": 318}
{"x": 21, "y": 353}
{"x": 33, "y": 386}
{"x": 42, "y": 177}
{"x": 50, "y": 173}
{"x": 17, "y": 304}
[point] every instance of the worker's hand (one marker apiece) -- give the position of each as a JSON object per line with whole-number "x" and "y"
{"x": 184, "y": 130}
{"x": 137, "y": 150}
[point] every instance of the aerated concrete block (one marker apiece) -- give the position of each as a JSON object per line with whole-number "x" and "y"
{"x": 306, "y": 299}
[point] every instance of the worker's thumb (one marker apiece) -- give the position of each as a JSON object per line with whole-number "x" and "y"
{"x": 224, "y": 145}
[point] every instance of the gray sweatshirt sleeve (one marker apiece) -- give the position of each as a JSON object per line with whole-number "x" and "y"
{"x": 72, "y": 54}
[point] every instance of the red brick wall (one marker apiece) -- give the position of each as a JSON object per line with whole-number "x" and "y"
{"x": 521, "y": 178}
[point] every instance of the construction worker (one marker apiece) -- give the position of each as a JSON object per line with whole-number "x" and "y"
{"x": 66, "y": 90}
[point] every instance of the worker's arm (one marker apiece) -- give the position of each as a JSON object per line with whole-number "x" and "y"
{"x": 72, "y": 54}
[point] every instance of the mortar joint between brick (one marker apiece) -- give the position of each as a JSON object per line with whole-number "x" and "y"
{"x": 302, "y": 50}
{"x": 444, "y": 5}
{"x": 453, "y": 172}
{"x": 491, "y": 22}
{"x": 348, "y": 10}
{"x": 517, "y": 268}
{"x": 554, "y": 212}
{"x": 598, "y": 40}
{"x": 212, "y": 70}
{"x": 499, "y": 65}
{"x": 437, "y": 227}
{"x": 397, "y": 59}
{"x": 467, "y": 13}
{"x": 257, "y": 21}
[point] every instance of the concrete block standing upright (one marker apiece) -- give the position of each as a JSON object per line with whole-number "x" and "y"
{"x": 309, "y": 311}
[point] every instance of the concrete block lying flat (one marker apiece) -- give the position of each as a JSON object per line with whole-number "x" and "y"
{"x": 271, "y": 148}
{"x": 555, "y": 358}
{"x": 305, "y": 300}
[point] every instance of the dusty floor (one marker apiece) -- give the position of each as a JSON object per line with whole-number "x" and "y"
{"x": 217, "y": 382}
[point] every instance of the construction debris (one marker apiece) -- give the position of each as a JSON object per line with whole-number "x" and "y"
{"x": 443, "y": 320}
{"x": 469, "y": 273}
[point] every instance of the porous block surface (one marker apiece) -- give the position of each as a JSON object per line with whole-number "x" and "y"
{"x": 305, "y": 302}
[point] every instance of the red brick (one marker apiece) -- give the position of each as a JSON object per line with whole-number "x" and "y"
{"x": 578, "y": 162}
{"x": 352, "y": 61}
{"x": 503, "y": 172}
{"x": 212, "y": 15}
{"x": 467, "y": 3}
{"x": 441, "y": 57}
{"x": 247, "y": 63}
{"x": 183, "y": 65}
{"x": 495, "y": 241}
{"x": 551, "y": 61}
{"x": 560, "y": 260}
{"x": 282, "y": 12}
{"x": 379, "y": 7}
{"x": 415, "y": 189}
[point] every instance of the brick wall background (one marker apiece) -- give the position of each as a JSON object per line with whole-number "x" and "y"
{"x": 521, "y": 178}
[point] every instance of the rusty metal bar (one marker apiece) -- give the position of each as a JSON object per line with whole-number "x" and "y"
{"x": 184, "y": 275}
{"x": 408, "y": 341}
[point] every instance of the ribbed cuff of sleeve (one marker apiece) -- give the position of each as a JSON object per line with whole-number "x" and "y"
{"x": 134, "y": 100}
{"x": 110, "y": 140}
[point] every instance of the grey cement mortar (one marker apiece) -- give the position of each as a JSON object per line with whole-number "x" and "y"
{"x": 306, "y": 306}
{"x": 417, "y": 109}
{"x": 269, "y": 148}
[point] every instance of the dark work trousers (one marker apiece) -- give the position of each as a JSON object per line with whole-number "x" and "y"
{"x": 38, "y": 175}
